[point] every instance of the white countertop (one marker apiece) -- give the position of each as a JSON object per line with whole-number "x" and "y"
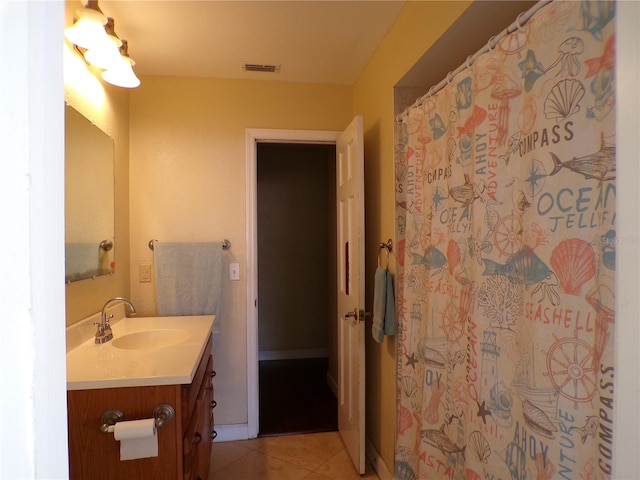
{"x": 91, "y": 366}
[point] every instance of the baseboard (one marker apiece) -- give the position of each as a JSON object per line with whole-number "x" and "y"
{"x": 293, "y": 354}
{"x": 376, "y": 461}
{"x": 230, "y": 433}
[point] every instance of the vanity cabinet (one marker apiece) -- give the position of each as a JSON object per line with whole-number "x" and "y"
{"x": 184, "y": 445}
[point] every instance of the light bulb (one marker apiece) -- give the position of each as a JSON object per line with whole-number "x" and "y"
{"x": 105, "y": 54}
{"x": 88, "y": 31}
{"x": 121, "y": 74}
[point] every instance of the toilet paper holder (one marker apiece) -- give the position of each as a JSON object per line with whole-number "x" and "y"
{"x": 163, "y": 414}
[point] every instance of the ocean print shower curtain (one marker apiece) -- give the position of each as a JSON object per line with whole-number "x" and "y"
{"x": 506, "y": 235}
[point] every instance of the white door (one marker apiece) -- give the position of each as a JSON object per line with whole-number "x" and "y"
{"x": 350, "y": 238}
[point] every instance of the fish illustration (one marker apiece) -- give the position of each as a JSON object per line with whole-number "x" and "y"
{"x": 438, "y": 439}
{"x": 531, "y": 69}
{"x": 599, "y": 166}
{"x": 432, "y": 258}
{"x": 596, "y": 15}
{"x": 464, "y": 93}
{"x": 606, "y": 61}
{"x": 514, "y": 144}
{"x": 524, "y": 268}
{"x": 468, "y": 192}
{"x": 589, "y": 429}
{"x": 437, "y": 126}
{"x": 459, "y": 357}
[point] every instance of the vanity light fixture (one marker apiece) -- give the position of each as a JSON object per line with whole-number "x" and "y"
{"x": 120, "y": 73}
{"x": 94, "y": 38}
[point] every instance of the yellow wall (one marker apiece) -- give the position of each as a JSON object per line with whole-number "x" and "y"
{"x": 188, "y": 183}
{"x": 108, "y": 108}
{"x": 417, "y": 28}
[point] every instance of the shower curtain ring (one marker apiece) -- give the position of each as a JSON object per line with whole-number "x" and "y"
{"x": 489, "y": 45}
{"x": 469, "y": 62}
{"x": 518, "y": 24}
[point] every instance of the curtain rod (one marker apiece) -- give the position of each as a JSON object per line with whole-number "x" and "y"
{"x": 520, "y": 20}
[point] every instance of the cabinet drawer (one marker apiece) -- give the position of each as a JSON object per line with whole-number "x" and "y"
{"x": 190, "y": 392}
{"x": 193, "y": 438}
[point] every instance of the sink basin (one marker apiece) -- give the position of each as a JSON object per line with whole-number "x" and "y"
{"x": 151, "y": 339}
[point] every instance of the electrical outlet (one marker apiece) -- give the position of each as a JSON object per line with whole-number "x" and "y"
{"x": 144, "y": 273}
{"x": 234, "y": 271}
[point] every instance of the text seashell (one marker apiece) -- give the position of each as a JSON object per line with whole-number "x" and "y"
{"x": 405, "y": 421}
{"x": 563, "y": 100}
{"x": 479, "y": 446}
{"x": 409, "y": 387}
{"x": 574, "y": 263}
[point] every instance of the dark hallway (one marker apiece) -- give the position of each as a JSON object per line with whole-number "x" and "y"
{"x": 295, "y": 397}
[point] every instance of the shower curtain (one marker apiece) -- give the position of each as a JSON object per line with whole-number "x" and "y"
{"x": 506, "y": 208}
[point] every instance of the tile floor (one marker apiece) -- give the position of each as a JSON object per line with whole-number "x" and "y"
{"x": 313, "y": 456}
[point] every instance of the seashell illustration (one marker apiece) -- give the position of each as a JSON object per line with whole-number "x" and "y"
{"x": 563, "y": 100}
{"x": 405, "y": 420}
{"x": 574, "y": 262}
{"x": 403, "y": 470}
{"x": 479, "y": 446}
{"x": 409, "y": 387}
{"x": 471, "y": 475}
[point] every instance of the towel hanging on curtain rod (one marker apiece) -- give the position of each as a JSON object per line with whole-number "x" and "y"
{"x": 521, "y": 19}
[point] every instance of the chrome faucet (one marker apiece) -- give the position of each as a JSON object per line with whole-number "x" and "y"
{"x": 104, "y": 333}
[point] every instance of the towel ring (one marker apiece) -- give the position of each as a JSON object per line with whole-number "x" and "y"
{"x": 388, "y": 247}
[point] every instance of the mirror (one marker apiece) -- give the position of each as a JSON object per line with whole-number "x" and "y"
{"x": 89, "y": 202}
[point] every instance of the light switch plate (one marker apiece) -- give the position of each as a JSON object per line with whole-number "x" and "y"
{"x": 144, "y": 273}
{"x": 234, "y": 271}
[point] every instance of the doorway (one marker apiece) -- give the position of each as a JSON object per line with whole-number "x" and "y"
{"x": 296, "y": 279}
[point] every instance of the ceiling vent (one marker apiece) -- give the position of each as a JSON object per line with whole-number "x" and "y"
{"x": 256, "y": 67}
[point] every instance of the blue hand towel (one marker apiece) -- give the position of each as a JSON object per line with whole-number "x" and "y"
{"x": 390, "y": 326}
{"x": 188, "y": 278}
{"x": 384, "y": 310}
{"x": 379, "y": 304}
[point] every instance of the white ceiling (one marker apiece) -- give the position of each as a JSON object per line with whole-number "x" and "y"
{"x": 311, "y": 40}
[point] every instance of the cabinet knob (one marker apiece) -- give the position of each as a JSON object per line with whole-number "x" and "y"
{"x": 214, "y": 434}
{"x": 197, "y": 438}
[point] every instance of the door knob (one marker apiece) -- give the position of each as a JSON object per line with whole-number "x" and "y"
{"x": 356, "y": 314}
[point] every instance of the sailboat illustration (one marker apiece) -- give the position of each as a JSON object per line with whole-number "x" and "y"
{"x": 546, "y": 399}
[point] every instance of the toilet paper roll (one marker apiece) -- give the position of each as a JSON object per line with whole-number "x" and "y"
{"x": 138, "y": 438}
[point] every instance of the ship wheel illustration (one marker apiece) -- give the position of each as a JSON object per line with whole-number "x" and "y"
{"x": 452, "y": 323}
{"x": 507, "y": 235}
{"x": 570, "y": 369}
